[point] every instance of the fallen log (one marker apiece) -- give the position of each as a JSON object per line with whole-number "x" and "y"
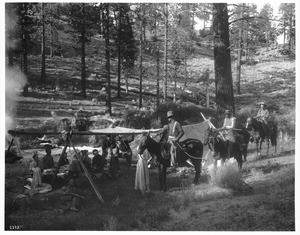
{"x": 107, "y": 131}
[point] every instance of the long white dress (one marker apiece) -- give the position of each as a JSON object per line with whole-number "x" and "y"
{"x": 142, "y": 174}
{"x": 37, "y": 174}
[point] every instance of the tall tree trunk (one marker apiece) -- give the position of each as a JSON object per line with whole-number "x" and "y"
{"x": 119, "y": 53}
{"x": 239, "y": 55}
{"x": 222, "y": 61}
{"x": 107, "y": 55}
{"x": 166, "y": 53}
{"x": 157, "y": 63}
{"x": 83, "y": 73}
{"x": 284, "y": 29}
{"x": 25, "y": 48}
{"x": 185, "y": 67}
{"x": 290, "y": 32}
{"x": 51, "y": 30}
{"x": 43, "y": 51}
{"x": 141, "y": 56}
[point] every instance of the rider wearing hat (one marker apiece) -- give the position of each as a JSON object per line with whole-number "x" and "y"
{"x": 175, "y": 132}
{"x": 263, "y": 115}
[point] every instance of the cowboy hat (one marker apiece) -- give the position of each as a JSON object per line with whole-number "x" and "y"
{"x": 227, "y": 111}
{"x": 263, "y": 103}
{"x": 170, "y": 114}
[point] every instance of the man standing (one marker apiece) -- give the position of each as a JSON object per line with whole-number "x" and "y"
{"x": 47, "y": 160}
{"x": 175, "y": 132}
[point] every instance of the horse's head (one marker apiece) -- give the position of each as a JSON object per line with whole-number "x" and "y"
{"x": 210, "y": 134}
{"x": 249, "y": 123}
{"x": 144, "y": 142}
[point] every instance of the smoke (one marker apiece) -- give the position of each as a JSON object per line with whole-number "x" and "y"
{"x": 14, "y": 83}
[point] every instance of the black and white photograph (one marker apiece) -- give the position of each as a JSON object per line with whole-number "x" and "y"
{"x": 149, "y": 116}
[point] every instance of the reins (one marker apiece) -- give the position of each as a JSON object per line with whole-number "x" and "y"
{"x": 188, "y": 153}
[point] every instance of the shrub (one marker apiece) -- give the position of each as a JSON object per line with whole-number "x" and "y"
{"x": 228, "y": 177}
{"x": 137, "y": 118}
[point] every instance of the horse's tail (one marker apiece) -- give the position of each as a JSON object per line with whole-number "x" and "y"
{"x": 273, "y": 136}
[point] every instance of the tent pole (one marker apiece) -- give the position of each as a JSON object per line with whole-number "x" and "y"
{"x": 68, "y": 137}
{"x": 88, "y": 175}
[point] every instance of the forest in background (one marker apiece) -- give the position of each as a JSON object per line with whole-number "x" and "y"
{"x": 146, "y": 41}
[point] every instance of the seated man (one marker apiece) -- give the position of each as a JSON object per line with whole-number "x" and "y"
{"x": 98, "y": 162}
{"x": 86, "y": 160}
{"x": 114, "y": 166}
{"x": 74, "y": 169}
{"x": 47, "y": 160}
{"x": 70, "y": 200}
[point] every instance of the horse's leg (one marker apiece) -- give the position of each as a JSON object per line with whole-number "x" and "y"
{"x": 260, "y": 144}
{"x": 164, "y": 178}
{"x": 197, "y": 165}
{"x": 245, "y": 152}
{"x": 268, "y": 145}
{"x": 215, "y": 165}
{"x": 129, "y": 159}
{"x": 239, "y": 159}
{"x": 257, "y": 148}
{"x": 160, "y": 177}
{"x": 223, "y": 161}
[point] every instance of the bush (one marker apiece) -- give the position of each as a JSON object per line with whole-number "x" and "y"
{"x": 228, "y": 177}
{"x": 137, "y": 118}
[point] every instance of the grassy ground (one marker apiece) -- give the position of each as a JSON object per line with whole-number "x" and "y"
{"x": 262, "y": 197}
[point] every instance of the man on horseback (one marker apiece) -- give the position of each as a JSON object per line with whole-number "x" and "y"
{"x": 262, "y": 116}
{"x": 175, "y": 132}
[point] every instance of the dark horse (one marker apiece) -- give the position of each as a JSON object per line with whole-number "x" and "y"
{"x": 260, "y": 134}
{"x": 191, "y": 149}
{"x": 223, "y": 149}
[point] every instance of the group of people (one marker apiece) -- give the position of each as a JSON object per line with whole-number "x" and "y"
{"x": 37, "y": 166}
{"x": 172, "y": 132}
{"x": 229, "y": 123}
{"x": 114, "y": 148}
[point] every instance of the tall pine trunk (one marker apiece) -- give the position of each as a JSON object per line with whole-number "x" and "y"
{"x": 25, "y": 40}
{"x": 166, "y": 54}
{"x": 239, "y": 56}
{"x": 43, "y": 51}
{"x": 222, "y": 61}
{"x": 107, "y": 56}
{"x": 119, "y": 52}
{"x": 83, "y": 73}
{"x": 141, "y": 56}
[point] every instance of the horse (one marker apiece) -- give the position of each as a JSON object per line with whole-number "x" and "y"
{"x": 223, "y": 149}
{"x": 245, "y": 139}
{"x": 260, "y": 134}
{"x": 189, "y": 149}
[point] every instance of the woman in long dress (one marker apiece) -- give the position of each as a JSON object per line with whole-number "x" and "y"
{"x": 142, "y": 175}
{"x": 35, "y": 167}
